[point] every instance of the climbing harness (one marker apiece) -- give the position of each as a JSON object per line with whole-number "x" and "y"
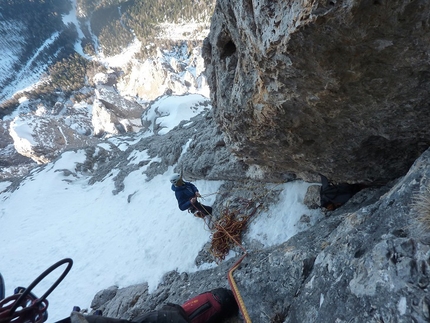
{"x": 24, "y": 307}
{"x": 207, "y": 218}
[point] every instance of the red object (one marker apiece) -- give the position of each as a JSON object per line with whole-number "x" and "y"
{"x": 202, "y": 308}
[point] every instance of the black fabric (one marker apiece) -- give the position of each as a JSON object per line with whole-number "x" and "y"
{"x": 226, "y": 298}
{"x": 102, "y": 319}
{"x": 333, "y": 195}
{"x": 198, "y": 312}
{"x": 95, "y": 319}
{"x": 2, "y": 288}
{"x": 66, "y": 320}
{"x": 169, "y": 313}
{"x": 206, "y": 210}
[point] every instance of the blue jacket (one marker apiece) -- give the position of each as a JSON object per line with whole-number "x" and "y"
{"x": 183, "y": 194}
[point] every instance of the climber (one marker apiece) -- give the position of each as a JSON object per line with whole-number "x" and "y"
{"x": 333, "y": 195}
{"x": 187, "y": 193}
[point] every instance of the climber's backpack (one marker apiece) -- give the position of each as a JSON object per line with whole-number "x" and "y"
{"x": 211, "y": 307}
{"x": 333, "y": 195}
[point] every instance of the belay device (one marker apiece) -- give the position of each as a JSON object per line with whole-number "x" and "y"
{"x": 24, "y": 306}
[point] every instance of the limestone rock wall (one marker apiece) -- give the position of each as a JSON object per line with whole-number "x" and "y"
{"x": 336, "y": 87}
{"x": 367, "y": 261}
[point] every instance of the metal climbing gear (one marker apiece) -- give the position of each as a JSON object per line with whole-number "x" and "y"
{"x": 23, "y": 307}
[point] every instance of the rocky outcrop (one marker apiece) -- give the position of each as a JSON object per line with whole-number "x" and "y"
{"x": 43, "y": 138}
{"x": 178, "y": 71}
{"x": 12, "y": 164}
{"x": 114, "y": 114}
{"x": 206, "y": 155}
{"x": 368, "y": 261}
{"x": 336, "y": 87}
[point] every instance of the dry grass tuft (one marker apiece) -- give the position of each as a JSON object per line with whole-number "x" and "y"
{"x": 421, "y": 205}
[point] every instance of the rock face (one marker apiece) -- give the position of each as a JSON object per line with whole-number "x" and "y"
{"x": 43, "y": 136}
{"x": 368, "y": 261}
{"x": 114, "y": 114}
{"x": 180, "y": 73}
{"x": 12, "y": 164}
{"x": 336, "y": 87}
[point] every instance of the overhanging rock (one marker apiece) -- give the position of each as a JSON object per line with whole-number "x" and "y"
{"x": 336, "y": 87}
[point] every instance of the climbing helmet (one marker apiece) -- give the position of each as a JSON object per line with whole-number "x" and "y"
{"x": 175, "y": 178}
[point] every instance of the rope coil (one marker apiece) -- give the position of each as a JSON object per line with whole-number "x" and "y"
{"x": 32, "y": 310}
{"x": 229, "y": 230}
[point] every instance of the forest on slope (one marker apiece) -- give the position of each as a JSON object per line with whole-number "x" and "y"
{"x": 109, "y": 26}
{"x": 116, "y": 22}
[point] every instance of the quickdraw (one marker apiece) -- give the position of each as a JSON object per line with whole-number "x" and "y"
{"x": 24, "y": 307}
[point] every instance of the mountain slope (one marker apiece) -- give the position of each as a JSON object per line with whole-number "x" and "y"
{"x": 33, "y": 36}
{"x": 110, "y": 208}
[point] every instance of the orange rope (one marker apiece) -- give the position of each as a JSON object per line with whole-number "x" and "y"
{"x": 221, "y": 244}
{"x": 236, "y": 292}
{"x": 237, "y": 229}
